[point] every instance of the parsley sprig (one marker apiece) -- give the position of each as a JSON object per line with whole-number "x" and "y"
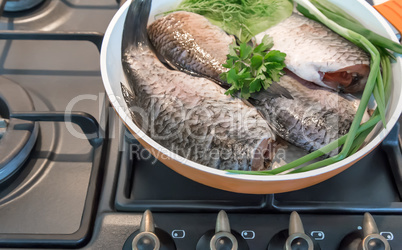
{"x": 252, "y": 68}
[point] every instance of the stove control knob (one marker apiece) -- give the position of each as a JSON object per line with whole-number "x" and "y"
{"x": 297, "y": 238}
{"x": 293, "y": 239}
{"x": 222, "y": 238}
{"x": 148, "y": 237}
{"x": 368, "y": 238}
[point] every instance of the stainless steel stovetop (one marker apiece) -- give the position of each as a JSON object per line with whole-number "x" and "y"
{"x": 91, "y": 191}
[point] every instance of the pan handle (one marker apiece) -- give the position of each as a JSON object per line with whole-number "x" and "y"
{"x": 391, "y": 10}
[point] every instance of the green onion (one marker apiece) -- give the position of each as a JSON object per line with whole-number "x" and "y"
{"x": 313, "y": 155}
{"x": 367, "y": 127}
{"x": 339, "y": 16}
{"x": 371, "y": 81}
{"x": 377, "y": 84}
{"x": 380, "y": 98}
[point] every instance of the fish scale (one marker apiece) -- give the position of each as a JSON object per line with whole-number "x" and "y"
{"x": 313, "y": 50}
{"x": 310, "y": 118}
{"x": 173, "y": 115}
{"x": 314, "y": 117}
{"x": 181, "y": 48}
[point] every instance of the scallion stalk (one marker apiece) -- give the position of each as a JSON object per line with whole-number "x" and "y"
{"x": 377, "y": 84}
{"x": 341, "y": 17}
{"x": 313, "y": 155}
{"x": 367, "y": 127}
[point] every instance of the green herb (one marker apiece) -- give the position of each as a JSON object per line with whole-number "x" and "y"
{"x": 252, "y": 69}
{"x": 378, "y": 84}
{"x": 242, "y": 18}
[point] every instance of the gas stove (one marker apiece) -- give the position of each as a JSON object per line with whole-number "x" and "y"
{"x": 72, "y": 176}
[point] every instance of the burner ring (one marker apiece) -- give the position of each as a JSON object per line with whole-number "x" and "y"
{"x": 21, "y": 5}
{"x": 20, "y": 136}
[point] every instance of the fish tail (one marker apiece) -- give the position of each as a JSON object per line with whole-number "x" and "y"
{"x": 135, "y": 25}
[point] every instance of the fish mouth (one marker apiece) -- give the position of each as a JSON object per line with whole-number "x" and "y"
{"x": 351, "y": 79}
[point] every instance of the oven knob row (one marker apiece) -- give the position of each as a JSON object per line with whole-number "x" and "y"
{"x": 148, "y": 237}
{"x": 222, "y": 237}
{"x": 368, "y": 238}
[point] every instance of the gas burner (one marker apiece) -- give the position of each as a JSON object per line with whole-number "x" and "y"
{"x": 45, "y": 15}
{"x": 17, "y": 136}
{"x": 21, "y": 5}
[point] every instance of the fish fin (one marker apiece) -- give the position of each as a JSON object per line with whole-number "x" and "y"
{"x": 247, "y": 102}
{"x": 190, "y": 72}
{"x": 277, "y": 90}
{"x": 135, "y": 24}
{"x": 128, "y": 98}
{"x": 127, "y": 93}
{"x": 274, "y": 91}
{"x": 165, "y": 62}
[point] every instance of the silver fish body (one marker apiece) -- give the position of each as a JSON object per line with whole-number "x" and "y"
{"x": 188, "y": 115}
{"x": 190, "y": 43}
{"x": 319, "y": 55}
{"x": 315, "y": 117}
{"x": 304, "y": 114}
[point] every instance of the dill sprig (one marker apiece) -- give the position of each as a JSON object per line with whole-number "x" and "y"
{"x": 242, "y": 18}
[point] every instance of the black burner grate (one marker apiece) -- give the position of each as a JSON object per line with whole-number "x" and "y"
{"x": 95, "y": 157}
